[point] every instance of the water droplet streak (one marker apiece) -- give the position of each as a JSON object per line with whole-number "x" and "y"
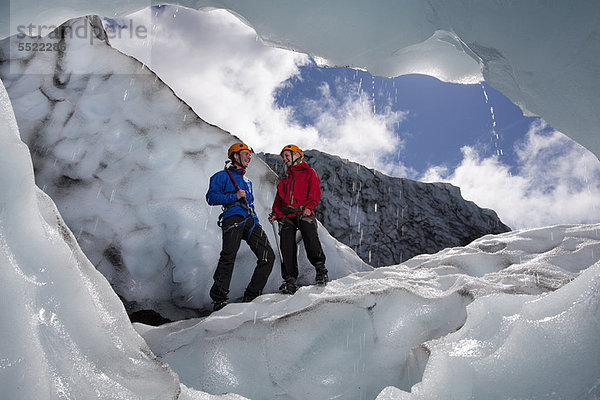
{"x": 495, "y": 136}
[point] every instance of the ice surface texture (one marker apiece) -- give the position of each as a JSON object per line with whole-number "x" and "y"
{"x": 65, "y": 333}
{"x": 508, "y": 316}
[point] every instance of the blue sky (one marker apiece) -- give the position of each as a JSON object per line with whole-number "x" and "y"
{"x": 442, "y": 117}
{"x": 409, "y": 126}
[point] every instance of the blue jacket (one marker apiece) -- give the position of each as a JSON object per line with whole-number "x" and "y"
{"x": 222, "y": 191}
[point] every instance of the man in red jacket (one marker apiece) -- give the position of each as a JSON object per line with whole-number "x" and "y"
{"x": 297, "y": 196}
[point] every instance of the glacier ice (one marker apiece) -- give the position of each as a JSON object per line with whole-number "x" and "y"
{"x": 513, "y": 315}
{"x": 65, "y": 333}
{"x": 508, "y": 340}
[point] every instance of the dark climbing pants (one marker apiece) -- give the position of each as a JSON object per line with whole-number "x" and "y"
{"x": 289, "y": 248}
{"x": 256, "y": 238}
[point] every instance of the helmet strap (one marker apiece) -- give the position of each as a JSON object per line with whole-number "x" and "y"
{"x": 235, "y": 163}
{"x": 297, "y": 160}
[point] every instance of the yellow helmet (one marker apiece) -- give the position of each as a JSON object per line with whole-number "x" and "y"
{"x": 293, "y": 148}
{"x": 236, "y": 147}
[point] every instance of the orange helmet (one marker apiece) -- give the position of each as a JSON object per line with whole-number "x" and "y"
{"x": 236, "y": 147}
{"x": 293, "y": 148}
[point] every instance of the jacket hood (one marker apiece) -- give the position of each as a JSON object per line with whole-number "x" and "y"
{"x": 300, "y": 167}
{"x": 240, "y": 171}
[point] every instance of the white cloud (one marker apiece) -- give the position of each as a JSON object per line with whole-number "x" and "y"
{"x": 557, "y": 181}
{"x": 220, "y": 68}
{"x": 352, "y": 129}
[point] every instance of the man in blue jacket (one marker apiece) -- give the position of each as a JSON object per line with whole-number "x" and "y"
{"x": 232, "y": 190}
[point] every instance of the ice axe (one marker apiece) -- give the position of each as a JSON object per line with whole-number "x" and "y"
{"x": 276, "y": 236}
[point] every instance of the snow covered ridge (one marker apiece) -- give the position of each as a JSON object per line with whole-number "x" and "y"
{"x": 515, "y": 46}
{"x": 514, "y": 315}
{"x": 128, "y": 164}
{"x": 389, "y": 220}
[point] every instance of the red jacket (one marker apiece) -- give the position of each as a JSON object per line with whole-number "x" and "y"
{"x": 301, "y": 187}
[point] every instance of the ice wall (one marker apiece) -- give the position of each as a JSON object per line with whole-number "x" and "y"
{"x": 544, "y": 56}
{"x": 65, "y": 333}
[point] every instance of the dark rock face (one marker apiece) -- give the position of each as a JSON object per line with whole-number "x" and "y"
{"x": 388, "y": 220}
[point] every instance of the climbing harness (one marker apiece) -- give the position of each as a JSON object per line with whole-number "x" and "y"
{"x": 243, "y": 202}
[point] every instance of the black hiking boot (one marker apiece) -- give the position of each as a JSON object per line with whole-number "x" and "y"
{"x": 321, "y": 278}
{"x": 248, "y": 297}
{"x": 219, "y": 304}
{"x": 289, "y": 286}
